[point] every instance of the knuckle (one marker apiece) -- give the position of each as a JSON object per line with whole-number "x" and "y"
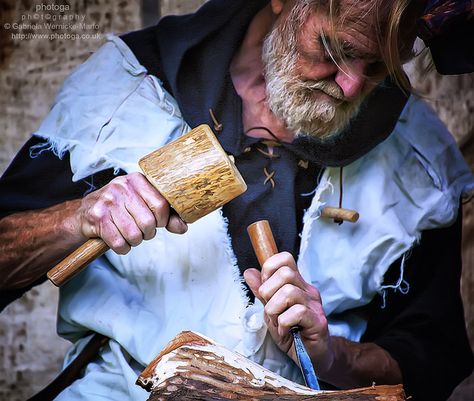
{"x": 115, "y": 185}
{"x": 269, "y": 310}
{"x": 289, "y": 292}
{"x": 160, "y": 211}
{"x": 301, "y": 310}
{"x": 282, "y": 321}
{"x": 108, "y": 195}
{"x": 127, "y": 181}
{"x": 120, "y": 246}
{"x": 134, "y": 176}
{"x": 149, "y": 223}
{"x": 149, "y": 234}
{"x": 98, "y": 212}
{"x": 134, "y": 237}
{"x": 263, "y": 292}
{"x": 286, "y": 255}
{"x": 287, "y": 273}
{"x": 122, "y": 183}
{"x": 159, "y": 204}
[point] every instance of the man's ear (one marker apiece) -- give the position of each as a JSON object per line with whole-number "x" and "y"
{"x": 277, "y": 6}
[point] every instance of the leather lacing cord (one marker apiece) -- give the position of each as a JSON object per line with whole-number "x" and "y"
{"x": 217, "y": 125}
{"x": 269, "y": 175}
{"x": 341, "y": 191}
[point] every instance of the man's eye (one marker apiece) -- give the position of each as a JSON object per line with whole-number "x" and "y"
{"x": 327, "y": 55}
{"x": 350, "y": 57}
{"x": 325, "y": 46}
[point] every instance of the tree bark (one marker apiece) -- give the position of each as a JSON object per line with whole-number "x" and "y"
{"x": 192, "y": 367}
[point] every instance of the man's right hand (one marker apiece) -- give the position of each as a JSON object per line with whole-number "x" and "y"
{"x": 125, "y": 212}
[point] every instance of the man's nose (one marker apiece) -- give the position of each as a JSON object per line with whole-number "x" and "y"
{"x": 351, "y": 78}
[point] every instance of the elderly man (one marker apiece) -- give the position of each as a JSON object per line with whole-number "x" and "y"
{"x": 297, "y": 90}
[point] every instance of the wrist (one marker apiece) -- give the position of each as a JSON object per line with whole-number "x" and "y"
{"x": 70, "y": 224}
{"x": 331, "y": 368}
{"x": 324, "y": 360}
{"x": 359, "y": 365}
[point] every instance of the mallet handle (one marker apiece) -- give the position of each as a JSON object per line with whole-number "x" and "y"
{"x": 77, "y": 261}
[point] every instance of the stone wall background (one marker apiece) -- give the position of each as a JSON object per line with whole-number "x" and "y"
{"x": 31, "y": 72}
{"x": 453, "y": 98}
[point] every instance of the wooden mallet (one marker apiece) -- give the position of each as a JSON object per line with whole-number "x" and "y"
{"x": 193, "y": 173}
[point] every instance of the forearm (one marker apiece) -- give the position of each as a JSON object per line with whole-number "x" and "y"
{"x": 33, "y": 242}
{"x": 123, "y": 213}
{"x": 359, "y": 365}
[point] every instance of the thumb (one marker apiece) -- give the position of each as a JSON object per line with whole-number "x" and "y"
{"x": 253, "y": 279}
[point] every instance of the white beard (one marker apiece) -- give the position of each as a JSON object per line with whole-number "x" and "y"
{"x": 294, "y": 100}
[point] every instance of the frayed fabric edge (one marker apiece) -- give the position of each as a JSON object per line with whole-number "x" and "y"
{"x": 401, "y": 284}
{"x": 60, "y": 148}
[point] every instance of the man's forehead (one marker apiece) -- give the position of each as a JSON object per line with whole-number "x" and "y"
{"x": 365, "y": 13}
{"x": 357, "y": 37}
{"x": 354, "y": 7}
{"x": 353, "y": 25}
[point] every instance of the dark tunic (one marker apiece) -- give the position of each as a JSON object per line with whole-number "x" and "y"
{"x": 423, "y": 330}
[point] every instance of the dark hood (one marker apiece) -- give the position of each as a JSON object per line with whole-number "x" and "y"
{"x": 195, "y": 52}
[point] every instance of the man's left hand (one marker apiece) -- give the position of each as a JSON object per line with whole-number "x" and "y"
{"x": 290, "y": 301}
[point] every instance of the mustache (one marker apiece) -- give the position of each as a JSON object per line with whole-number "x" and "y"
{"x": 328, "y": 87}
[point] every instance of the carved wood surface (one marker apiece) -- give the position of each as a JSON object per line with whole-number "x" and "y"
{"x": 193, "y": 367}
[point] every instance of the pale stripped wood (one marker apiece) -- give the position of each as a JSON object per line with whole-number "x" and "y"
{"x": 193, "y": 367}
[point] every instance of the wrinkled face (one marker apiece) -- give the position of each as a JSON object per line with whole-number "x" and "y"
{"x": 313, "y": 90}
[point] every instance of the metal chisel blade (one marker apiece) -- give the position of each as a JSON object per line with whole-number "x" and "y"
{"x": 304, "y": 360}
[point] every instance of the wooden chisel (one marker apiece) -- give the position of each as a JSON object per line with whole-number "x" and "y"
{"x": 264, "y": 246}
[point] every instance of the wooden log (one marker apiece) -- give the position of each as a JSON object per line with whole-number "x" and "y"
{"x": 195, "y": 176}
{"x": 193, "y": 367}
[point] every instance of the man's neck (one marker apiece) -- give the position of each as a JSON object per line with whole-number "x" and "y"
{"x": 247, "y": 76}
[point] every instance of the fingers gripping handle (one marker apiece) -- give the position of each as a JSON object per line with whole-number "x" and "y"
{"x": 264, "y": 246}
{"x": 77, "y": 261}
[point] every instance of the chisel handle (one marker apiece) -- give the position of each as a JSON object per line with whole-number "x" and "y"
{"x": 77, "y": 261}
{"x": 262, "y": 239}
